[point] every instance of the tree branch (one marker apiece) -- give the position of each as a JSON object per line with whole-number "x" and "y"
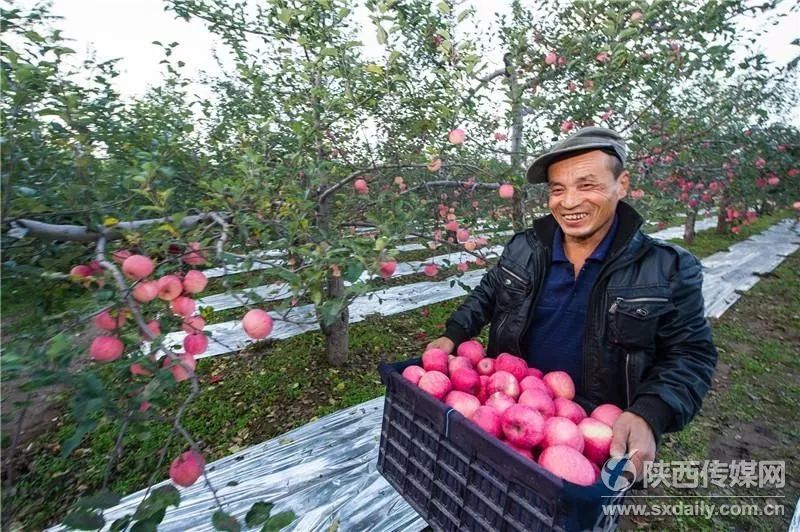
{"x": 81, "y": 233}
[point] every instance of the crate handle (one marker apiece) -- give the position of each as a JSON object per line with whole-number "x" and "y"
{"x": 447, "y": 422}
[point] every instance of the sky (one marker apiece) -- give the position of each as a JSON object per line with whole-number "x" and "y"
{"x": 126, "y": 29}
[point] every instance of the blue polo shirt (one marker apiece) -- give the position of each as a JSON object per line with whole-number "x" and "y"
{"x": 555, "y": 337}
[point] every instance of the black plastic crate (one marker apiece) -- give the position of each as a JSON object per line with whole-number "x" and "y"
{"x": 458, "y": 478}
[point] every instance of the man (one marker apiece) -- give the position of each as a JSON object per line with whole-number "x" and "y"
{"x": 586, "y": 292}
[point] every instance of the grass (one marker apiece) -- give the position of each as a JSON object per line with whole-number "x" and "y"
{"x": 273, "y": 387}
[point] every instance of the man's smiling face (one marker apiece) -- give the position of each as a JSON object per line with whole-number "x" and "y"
{"x": 583, "y": 194}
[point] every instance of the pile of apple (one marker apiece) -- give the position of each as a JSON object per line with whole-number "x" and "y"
{"x": 533, "y": 413}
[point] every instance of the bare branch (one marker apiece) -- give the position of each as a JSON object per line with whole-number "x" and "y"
{"x": 81, "y": 233}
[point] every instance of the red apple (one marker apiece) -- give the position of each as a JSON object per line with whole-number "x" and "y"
{"x": 80, "y": 271}
{"x": 561, "y": 384}
{"x": 361, "y": 186}
{"x": 596, "y": 470}
{"x": 458, "y": 363}
{"x": 483, "y": 394}
{"x": 539, "y": 400}
{"x": 526, "y": 452}
{"x": 106, "y": 348}
{"x": 569, "y": 409}
{"x": 487, "y": 418}
{"x": 567, "y": 463}
{"x": 193, "y": 324}
{"x": 145, "y": 291}
{"x": 523, "y": 426}
{"x": 110, "y": 319}
{"x": 194, "y": 282}
{"x": 182, "y": 306}
{"x": 137, "y": 267}
{"x": 187, "y": 468}
{"x": 512, "y": 364}
{"x": 435, "y": 383}
{"x": 596, "y": 438}
{"x": 472, "y": 349}
{"x": 435, "y": 359}
{"x": 500, "y": 402}
{"x": 485, "y": 366}
{"x": 178, "y": 370}
{"x": 562, "y": 431}
{"x": 194, "y": 255}
{"x": 257, "y": 324}
{"x": 463, "y": 402}
{"x": 456, "y": 136}
{"x": 169, "y": 287}
{"x": 195, "y": 343}
{"x": 388, "y": 268}
{"x": 154, "y": 327}
{"x": 535, "y": 372}
{"x": 607, "y": 413}
{"x": 535, "y": 383}
{"x": 466, "y": 380}
{"x": 503, "y": 381}
{"x": 138, "y": 369}
{"x": 413, "y": 374}
{"x": 120, "y": 255}
{"x": 506, "y": 191}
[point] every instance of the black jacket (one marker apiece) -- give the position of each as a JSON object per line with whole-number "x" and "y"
{"x": 647, "y": 345}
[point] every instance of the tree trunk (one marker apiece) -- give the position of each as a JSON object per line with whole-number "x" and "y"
{"x": 337, "y": 344}
{"x": 336, "y": 332}
{"x": 688, "y": 228}
{"x": 723, "y": 226}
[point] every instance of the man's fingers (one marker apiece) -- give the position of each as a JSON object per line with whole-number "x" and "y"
{"x": 619, "y": 439}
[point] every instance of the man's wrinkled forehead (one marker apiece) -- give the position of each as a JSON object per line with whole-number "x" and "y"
{"x": 593, "y": 165}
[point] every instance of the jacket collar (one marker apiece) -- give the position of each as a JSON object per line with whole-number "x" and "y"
{"x": 628, "y": 219}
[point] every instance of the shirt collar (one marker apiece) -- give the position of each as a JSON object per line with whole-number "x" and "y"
{"x": 599, "y": 253}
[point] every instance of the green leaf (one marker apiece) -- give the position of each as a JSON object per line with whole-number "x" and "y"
{"x": 224, "y": 521}
{"x": 443, "y": 7}
{"x": 121, "y": 524}
{"x": 258, "y": 513}
{"x": 285, "y": 15}
{"x": 71, "y": 443}
{"x": 147, "y": 525}
{"x": 380, "y": 243}
{"x": 382, "y": 35}
{"x": 154, "y": 507}
{"x": 627, "y": 34}
{"x": 102, "y": 499}
{"x": 353, "y": 272}
{"x": 167, "y": 495}
{"x": 84, "y": 520}
{"x": 372, "y": 68}
{"x": 278, "y": 521}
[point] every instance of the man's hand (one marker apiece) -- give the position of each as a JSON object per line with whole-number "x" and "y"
{"x": 632, "y": 435}
{"x": 444, "y": 343}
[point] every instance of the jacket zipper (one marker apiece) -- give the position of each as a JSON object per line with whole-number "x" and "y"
{"x": 627, "y": 380}
{"x": 617, "y": 301}
{"x": 502, "y": 322}
{"x": 514, "y": 275}
{"x": 605, "y": 273}
{"x": 541, "y": 266}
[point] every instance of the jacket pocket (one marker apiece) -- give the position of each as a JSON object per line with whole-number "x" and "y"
{"x": 514, "y": 284}
{"x": 633, "y": 319}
